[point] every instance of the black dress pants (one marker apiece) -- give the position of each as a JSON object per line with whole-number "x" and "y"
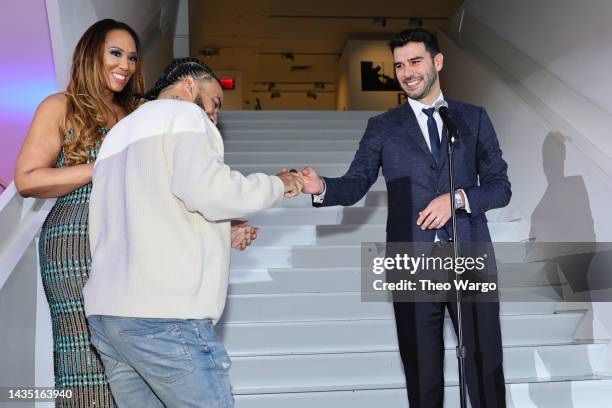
{"x": 421, "y": 344}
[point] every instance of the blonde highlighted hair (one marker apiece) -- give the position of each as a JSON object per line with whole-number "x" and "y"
{"x": 87, "y": 108}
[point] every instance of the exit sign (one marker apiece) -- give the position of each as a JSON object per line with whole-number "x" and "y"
{"x": 228, "y": 83}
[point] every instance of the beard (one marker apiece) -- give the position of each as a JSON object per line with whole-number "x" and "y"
{"x": 199, "y": 101}
{"x": 429, "y": 79}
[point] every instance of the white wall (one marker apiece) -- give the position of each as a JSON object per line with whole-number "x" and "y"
{"x": 570, "y": 39}
{"x": 181, "y": 34}
{"x": 522, "y": 130}
{"x": 558, "y": 49}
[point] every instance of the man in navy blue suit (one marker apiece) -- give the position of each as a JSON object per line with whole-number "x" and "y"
{"x": 408, "y": 143}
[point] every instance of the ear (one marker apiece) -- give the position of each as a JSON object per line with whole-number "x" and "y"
{"x": 439, "y": 61}
{"x": 190, "y": 87}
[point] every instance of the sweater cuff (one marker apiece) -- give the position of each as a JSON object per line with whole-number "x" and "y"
{"x": 278, "y": 186}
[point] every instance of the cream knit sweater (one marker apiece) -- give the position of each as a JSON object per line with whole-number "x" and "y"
{"x": 159, "y": 215}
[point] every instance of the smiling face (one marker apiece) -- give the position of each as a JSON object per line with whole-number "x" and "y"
{"x": 417, "y": 71}
{"x": 119, "y": 59}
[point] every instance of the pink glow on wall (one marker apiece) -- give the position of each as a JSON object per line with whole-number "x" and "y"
{"x": 27, "y": 75}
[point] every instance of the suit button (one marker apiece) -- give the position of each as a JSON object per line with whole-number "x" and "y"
{"x": 434, "y": 167}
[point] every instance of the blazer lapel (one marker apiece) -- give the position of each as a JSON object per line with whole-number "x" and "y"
{"x": 409, "y": 122}
{"x": 444, "y": 146}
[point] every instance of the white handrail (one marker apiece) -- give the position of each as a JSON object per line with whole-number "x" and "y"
{"x": 20, "y": 221}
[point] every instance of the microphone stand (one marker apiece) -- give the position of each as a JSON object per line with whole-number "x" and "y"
{"x": 452, "y": 139}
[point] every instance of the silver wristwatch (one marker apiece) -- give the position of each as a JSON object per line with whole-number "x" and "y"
{"x": 459, "y": 203}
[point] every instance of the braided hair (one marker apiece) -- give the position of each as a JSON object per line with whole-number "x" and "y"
{"x": 177, "y": 70}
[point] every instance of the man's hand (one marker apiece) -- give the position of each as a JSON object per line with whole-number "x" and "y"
{"x": 436, "y": 214}
{"x": 242, "y": 234}
{"x": 293, "y": 182}
{"x": 312, "y": 182}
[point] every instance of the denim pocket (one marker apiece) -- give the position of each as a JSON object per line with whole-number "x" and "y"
{"x": 212, "y": 349}
{"x": 159, "y": 349}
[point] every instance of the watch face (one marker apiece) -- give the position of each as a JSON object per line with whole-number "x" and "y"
{"x": 458, "y": 200}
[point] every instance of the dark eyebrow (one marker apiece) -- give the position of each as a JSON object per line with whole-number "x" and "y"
{"x": 415, "y": 59}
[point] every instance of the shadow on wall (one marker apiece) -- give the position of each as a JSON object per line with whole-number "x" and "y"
{"x": 564, "y": 212}
{"x": 563, "y": 215}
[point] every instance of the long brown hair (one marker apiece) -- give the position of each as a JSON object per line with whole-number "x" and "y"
{"x": 87, "y": 108}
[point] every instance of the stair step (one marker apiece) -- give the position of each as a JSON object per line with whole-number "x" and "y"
{"x": 335, "y": 306}
{"x": 347, "y": 234}
{"x": 348, "y": 279}
{"x": 275, "y": 158}
{"x": 334, "y": 216}
{"x": 565, "y": 393}
{"x": 376, "y": 197}
{"x": 284, "y": 255}
{"x": 325, "y": 169}
{"x": 291, "y": 135}
{"x": 289, "y": 146}
{"x": 350, "y": 371}
{"x": 334, "y": 125}
{"x": 367, "y": 335}
{"x": 254, "y": 116}
{"x": 319, "y": 216}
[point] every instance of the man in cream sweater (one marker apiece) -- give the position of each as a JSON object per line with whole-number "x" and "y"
{"x": 160, "y": 235}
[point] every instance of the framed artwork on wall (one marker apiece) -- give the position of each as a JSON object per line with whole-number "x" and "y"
{"x": 378, "y": 76}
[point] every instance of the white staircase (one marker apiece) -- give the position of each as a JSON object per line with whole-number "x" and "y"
{"x": 295, "y": 326}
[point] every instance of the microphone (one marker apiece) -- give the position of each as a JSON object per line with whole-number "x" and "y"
{"x": 441, "y": 107}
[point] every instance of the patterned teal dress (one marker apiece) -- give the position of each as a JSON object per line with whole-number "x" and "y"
{"x": 65, "y": 264}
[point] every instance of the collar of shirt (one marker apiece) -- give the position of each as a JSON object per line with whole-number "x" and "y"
{"x": 421, "y": 118}
{"x": 418, "y": 107}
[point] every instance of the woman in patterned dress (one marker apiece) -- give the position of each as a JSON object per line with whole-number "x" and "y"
{"x": 56, "y": 160}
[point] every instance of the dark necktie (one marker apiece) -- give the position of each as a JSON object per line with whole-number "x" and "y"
{"x": 436, "y": 152}
{"x": 434, "y": 136}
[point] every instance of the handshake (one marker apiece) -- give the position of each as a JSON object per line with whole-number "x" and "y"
{"x": 306, "y": 181}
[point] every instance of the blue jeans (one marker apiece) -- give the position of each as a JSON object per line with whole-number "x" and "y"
{"x": 163, "y": 362}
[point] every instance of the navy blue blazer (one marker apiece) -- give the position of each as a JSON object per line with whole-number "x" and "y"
{"x": 394, "y": 141}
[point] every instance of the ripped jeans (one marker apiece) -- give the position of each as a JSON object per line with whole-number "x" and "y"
{"x": 163, "y": 362}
